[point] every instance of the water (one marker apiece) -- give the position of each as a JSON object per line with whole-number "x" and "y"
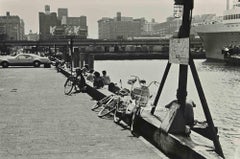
{"x": 221, "y": 86}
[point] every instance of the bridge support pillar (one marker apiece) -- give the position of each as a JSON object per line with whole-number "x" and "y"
{"x": 76, "y": 57}
{"x": 89, "y": 59}
{"x": 86, "y": 58}
{"x": 81, "y": 59}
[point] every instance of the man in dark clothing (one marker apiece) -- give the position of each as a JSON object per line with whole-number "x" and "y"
{"x": 81, "y": 80}
{"x": 98, "y": 82}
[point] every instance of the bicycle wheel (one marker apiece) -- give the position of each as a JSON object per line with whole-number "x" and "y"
{"x": 68, "y": 86}
{"x": 107, "y": 108}
{"x": 101, "y": 102}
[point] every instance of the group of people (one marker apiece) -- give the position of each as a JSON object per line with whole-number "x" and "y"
{"x": 98, "y": 80}
{"x": 182, "y": 125}
{"x": 231, "y": 50}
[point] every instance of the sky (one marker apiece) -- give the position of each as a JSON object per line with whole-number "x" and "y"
{"x": 96, "y": 9}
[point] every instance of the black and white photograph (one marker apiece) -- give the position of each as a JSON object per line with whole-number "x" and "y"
{"x": 119, "y": 79}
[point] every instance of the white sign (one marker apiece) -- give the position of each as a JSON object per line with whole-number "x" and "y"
{"x": 179, "y": 51}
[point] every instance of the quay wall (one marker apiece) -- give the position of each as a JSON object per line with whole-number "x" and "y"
{"x": 171, "y": 145}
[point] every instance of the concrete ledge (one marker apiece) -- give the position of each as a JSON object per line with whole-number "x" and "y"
{"x": 148, "y": 126}
{"x": 94, "y": 93}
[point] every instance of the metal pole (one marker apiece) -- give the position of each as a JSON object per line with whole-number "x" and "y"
{"x": 183, "y": 69}
{"x": 71, "y": 51}
{"x": 55, "y": 48}
{"x": 160, "y": 87}
{"x": 208, "y": 116}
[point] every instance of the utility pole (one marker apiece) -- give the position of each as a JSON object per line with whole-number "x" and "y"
{"x": 70, "y": 42}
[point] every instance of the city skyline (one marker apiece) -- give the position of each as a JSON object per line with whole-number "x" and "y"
{"x": 95, "y": 9}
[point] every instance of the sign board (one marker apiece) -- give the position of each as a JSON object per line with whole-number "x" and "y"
{"x": 179, "y": 51}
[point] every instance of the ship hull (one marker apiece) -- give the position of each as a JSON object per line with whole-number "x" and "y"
{"x": 215, "y": 41}
{"x": 216, "y": 36}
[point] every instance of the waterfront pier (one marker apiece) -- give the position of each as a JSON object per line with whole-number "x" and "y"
{"x": 38, "y": 121}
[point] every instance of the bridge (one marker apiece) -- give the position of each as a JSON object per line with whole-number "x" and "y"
{"x": 91, "y": 42}
{"x": 87, "y": 50}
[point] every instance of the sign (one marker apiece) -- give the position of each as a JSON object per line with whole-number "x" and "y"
{"x": 179, "y": 51}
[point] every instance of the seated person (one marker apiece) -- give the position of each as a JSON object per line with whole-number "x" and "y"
{"x": 105, "y": 78}
{"x": 182, "y": 119}
{"x": 188, "y": 113}
{"x": 98, "y": 82}
{"x": 81, "y": 80}
{"x": 85, "y": 69}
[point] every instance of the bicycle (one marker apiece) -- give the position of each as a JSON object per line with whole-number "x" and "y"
{"x": 69, "y": 84}
{"x": 130, "y": 108}
{"x": 109, "y": 103}
{"x": 73, "y": 81}
{"x": 101, "y": 102}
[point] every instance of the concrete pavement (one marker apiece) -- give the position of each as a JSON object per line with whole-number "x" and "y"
{"x": 37, "y": 121}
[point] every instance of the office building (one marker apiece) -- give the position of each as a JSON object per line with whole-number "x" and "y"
{"x": 53, "y": 26}
{"x": 62, "y": 12}
{"x": 120, "y": 27}
{"x": 171, "y": 26}
{"x": 32, "y": 36}
{"x": 47, "y": 20}
{"x": 11, "y": 27}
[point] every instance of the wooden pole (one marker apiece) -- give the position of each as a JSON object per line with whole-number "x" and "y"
{"x": 207, "y": 113}
{"x": 160, "y": 87}
{"x": 71, "y": 54}
{"x": 184, "y": 32}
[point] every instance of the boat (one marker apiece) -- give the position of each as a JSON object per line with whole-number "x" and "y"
{"x": 231, "y": 56}
{"x": 221, "y": 33}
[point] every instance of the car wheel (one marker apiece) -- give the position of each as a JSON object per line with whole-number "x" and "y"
{"x": 36, "y": 63}
{"x": 4, "y": 64}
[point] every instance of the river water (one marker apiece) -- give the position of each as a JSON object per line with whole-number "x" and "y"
{"x": 221, "y": 86}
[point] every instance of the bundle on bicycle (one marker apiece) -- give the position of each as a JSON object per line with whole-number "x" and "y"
{"x": 128, "y": 105}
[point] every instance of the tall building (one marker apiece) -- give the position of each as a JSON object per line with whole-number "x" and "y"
{"x": 32, "y": 36}
{"x": 22, "y": 30}
{"x": 11, "y": 27}
{"x": 148, "y": 28}
{"x": 55, "y": 26}
{"x": 168, "y": 28}
{"x": 120, "y": 27}
{"x": 46, "y": 21}
{"x": 62, "y": 12}
{"x": 171, "y": 25}
{"x": 83, "y": 32}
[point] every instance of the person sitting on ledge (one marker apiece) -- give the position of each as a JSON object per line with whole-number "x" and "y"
{"x": 182, "y": 120}
{"x": 98, "y": 82}
{"x": 85, "y": 69}
{"x": 105, "y": 78}
{"x": 81, "y": 80}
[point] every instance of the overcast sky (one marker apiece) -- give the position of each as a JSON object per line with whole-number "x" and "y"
{"x": 96, "y": 9}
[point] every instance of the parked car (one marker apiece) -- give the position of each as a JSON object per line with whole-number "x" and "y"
{"x": 24, "y": 60}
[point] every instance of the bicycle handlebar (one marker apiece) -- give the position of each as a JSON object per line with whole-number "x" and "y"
{"x": 139, "y": 81}
{"x": 153, "y": 82}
